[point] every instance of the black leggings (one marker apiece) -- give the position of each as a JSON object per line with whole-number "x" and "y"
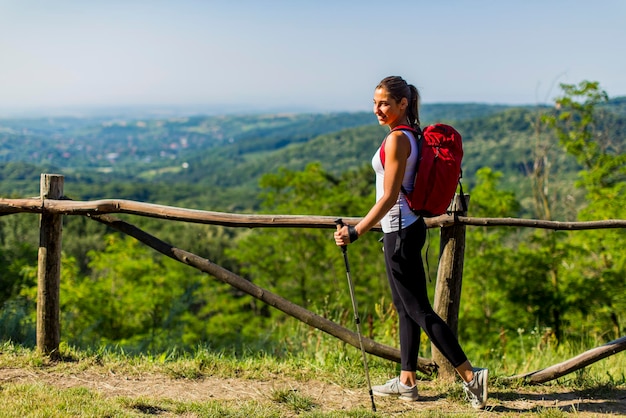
{"x": 405, "y": 271}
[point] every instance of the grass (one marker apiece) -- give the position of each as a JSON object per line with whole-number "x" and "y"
{"x": 293, "y": 400}
{"x": 46, "y": 395}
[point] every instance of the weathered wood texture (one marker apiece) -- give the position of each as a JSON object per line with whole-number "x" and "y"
{"x": 107, "y": 206}
{"x": 573, "y": 364}
{"x": 49, "y": 269}
{"x": 449, "y": 279}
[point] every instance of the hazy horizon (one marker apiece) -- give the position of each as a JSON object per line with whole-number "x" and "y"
{"x": 154, "y": 110}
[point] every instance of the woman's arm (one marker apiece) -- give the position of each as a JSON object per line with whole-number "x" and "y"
{"x": 397, "y": 150}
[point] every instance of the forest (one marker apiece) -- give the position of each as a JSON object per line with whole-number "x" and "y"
{"x": 563, "y": 162}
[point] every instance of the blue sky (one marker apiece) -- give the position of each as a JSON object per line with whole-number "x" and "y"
{"x": 321, "y": 55}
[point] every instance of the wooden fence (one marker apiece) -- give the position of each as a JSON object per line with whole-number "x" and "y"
{"x": 52, "y": 206}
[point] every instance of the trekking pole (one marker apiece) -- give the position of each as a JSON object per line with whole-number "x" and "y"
{"x": 340, "y": 223}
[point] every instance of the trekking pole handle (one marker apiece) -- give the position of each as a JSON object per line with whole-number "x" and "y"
{"x": 339, "y": 222}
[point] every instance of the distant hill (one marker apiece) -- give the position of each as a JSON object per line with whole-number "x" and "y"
{"x": 104, "y": 142}
{"x": 182, "y": 159}
{"x": 104, "y": 149}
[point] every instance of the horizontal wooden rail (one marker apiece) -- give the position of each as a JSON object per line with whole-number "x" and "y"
{"x": 537, "y": 223}
{"x": 108, "y": 206}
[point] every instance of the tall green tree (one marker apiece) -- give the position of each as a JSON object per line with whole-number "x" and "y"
{"x": 597, "y": 267}
{"x": 560, "y": 284}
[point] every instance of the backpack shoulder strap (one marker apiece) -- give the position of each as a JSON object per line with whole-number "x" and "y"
{"x": 404, "y": 128}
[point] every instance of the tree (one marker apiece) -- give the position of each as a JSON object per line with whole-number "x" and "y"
{"x": 131, "y": 298}
{"x": 597, "y": 266}
{"x": 486, "y": 308}
{"x": 305, "y": 266}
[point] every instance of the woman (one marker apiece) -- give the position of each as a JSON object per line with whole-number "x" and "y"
{"x": 397, "y": 103}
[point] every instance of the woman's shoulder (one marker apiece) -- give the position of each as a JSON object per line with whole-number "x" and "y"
{"x": 397, "y": 135}
{"x": 397, "y": 142}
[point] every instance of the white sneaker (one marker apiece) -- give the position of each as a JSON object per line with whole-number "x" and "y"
{"x": 476, "y": 390}
{"x": 394, "y": 388}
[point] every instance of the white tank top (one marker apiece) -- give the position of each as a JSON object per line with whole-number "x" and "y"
{"x": 390, "y": 222}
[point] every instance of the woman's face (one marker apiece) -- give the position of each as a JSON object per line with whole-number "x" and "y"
{"x": 387, "y": 109}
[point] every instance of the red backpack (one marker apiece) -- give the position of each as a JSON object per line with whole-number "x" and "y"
{"x": 438, "y": 170}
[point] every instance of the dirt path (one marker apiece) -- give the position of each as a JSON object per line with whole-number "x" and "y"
{"x": 328, "y": 397}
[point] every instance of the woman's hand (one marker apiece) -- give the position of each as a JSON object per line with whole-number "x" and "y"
{"x": 345, "y": 234}
{"x": 342, "y": 235}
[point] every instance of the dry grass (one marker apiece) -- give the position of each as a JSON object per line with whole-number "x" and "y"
{"x": 206, "y": 384}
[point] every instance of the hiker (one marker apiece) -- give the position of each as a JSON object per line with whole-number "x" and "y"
{"x": 397, "y": 103}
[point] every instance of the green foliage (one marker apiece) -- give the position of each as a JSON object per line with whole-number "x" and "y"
{"x": 562, "y": 283}
{"x": 488, "y": 258}
{"x": 17, "y": 323}
{"x": 586, "y": 129}
{"x": 139, "y": 300}
{"x": 519, "y": 162}
{"x": 305, "y": 266}
{"x": 18, "y": 260}
{"x": 18, "y": 250}
{"x": 131, "y": 298}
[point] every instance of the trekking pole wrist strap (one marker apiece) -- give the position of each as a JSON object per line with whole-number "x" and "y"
{"x": 352, "y": 233}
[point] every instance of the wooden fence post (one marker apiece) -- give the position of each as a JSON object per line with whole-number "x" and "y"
{"x": 49, "y": 269}
{"x": 449, "y": 280}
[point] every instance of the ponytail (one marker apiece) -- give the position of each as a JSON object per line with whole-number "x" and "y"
{"x": 413, "y": 110}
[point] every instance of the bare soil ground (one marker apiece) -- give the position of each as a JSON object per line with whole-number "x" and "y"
{"x": 327, "y": 397}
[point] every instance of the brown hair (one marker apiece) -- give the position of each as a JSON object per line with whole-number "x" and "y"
{"x": 398, "y": 88}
